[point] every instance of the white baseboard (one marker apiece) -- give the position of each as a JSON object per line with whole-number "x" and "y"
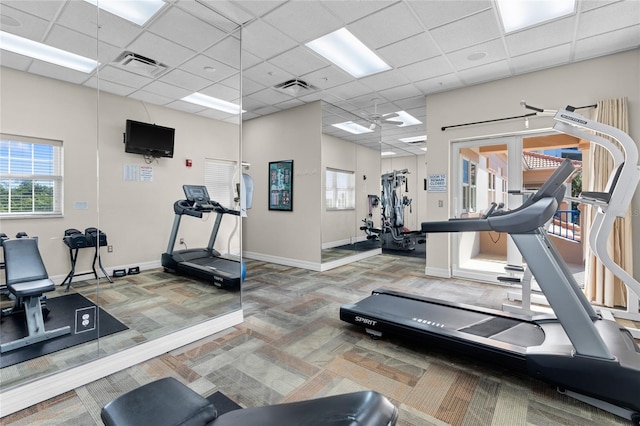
{"x": 437, "y": 272}
{"x": 313, "y": 266}
{"x": 349, "y": 259}
{"x": 344, "y": 242}
{"x": 26, "y": 395}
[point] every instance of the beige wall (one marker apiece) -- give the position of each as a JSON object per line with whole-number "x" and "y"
{"x": 343, "y": 226}
{"x": 136, "y": 216}
{"x": 579, "y": 84}
{"x": 279, "y": 236}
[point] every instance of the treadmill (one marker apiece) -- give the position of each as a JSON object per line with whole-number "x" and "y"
{"x": 205, "y": 263}
{"x": 587, "y": 357}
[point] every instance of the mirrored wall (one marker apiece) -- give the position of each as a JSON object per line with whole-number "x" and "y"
{"x": 68, "y": 131}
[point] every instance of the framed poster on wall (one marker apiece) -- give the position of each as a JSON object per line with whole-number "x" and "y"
{"x": 281, "y": 185}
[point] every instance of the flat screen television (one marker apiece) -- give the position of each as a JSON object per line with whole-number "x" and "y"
{"x": 148, "y": 139}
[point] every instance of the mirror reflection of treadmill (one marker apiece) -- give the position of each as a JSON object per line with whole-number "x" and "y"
{"x": 204, "y": 263}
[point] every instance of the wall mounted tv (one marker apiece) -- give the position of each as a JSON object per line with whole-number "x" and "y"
{"x": 148, "y": 139}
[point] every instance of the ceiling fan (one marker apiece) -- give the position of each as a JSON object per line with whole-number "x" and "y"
{"x": 378, "y": 119}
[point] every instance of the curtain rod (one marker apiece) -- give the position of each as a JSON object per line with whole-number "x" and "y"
{"x": 509, "y": 118}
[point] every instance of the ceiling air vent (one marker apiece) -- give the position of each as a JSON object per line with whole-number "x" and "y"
{"x": 295, "y": 87}
{"x": 140, "y": 65}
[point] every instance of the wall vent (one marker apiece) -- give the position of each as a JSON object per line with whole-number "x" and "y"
{"x": 140, "y": 65}
{"x": 295, "y": 87}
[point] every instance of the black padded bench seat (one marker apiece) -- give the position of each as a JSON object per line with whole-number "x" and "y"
{"x": 167, "y": 402}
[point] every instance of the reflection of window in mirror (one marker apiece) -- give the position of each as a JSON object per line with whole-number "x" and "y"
{"x": 30, "y": 176}
{"x": 219, "y": 180}
{"x": 340, "y": 189}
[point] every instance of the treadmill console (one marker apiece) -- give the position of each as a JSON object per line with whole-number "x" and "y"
{"x": 198, "y": 197}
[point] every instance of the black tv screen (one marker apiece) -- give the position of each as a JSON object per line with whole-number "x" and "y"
{"x": 148, "y": 139}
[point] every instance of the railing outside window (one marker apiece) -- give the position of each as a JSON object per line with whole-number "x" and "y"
{"x": 566, "y": 224}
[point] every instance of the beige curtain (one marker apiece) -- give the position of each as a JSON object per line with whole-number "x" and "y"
{"x": 601, "y": 286}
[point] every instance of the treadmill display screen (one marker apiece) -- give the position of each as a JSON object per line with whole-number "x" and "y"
{"x": 197, "y": 193}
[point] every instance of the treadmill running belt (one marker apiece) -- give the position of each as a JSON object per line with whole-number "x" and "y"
{"x": 491, "y": 327}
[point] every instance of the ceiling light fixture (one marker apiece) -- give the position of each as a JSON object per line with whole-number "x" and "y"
{"x": 43, "y": 52}
{"x": 519, "y": 14}
{"x": 346, "y": 51}
{"x": 351, "y": 127}
{"x": 404, "y": 118}
{"x": 414, "y": 139}
{"x": 213, "y": 103}
{"x": 136, "y": 11}
{"x": 387, "y": 153}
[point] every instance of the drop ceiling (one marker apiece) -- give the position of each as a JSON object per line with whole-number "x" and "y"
{"x": 432, "y": 46}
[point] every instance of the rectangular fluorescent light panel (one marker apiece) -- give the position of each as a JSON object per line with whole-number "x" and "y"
{"x": 387, "y": 153}
{"x": 519, "y": 14}
{"x": 405, "y": 119}
{"x": 414, "y": 139}
{"x": 351, "y": 127}
{"x": 136, "y": 11}
{"x": 43, "y": 52}
{"x": 346, "y": 51}
{"x": 213, "y": 103}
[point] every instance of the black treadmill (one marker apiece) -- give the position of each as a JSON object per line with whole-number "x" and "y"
{"x": 590, "y": 358}
{"x": 205, "y": 263}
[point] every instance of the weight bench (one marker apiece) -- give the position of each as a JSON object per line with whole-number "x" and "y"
{"x": 27, "y": 280}
{"x": 167, "y": 402}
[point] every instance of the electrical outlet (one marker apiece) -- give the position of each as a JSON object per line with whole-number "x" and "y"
{"x": 110, "y": 249}
{"x": 181, "y": 241}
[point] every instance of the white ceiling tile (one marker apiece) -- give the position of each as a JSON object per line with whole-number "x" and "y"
{"x": 485, "y": 72}
{"x": 399, "y": 92}
{"x": 381, "y": 28}
{"x": 350, "y": 90}
{"x": 270, "y": 96}
{"x": 83, "y": 16}
{"x": 289, "y": 104}
{"x": 466, "y": 32}
{"x": 494, "y": 51}
{"x": 545, "y": 58}
{"x": 249, "y": 86}
{"x": 259, "y": 7}
{"x": 230, "y": 9}
{"x": 298, "y": 61}
{"x": 60, "y": 73}
{"x": 249, "y": 104}
{"x": 198, "y": 64}
{"x": 117, "y": 75}
{"x": 426, "y": 69}
{"x": 328, "y": 77}
{"x": 439, "y": 12}
{"x": 413, "y": 103}
{"x": 349, "y": 11}
{"x": 185, "y": 80}
{"x": 109, "y": 87}
{"x": 164, "y": 89}
{"x": 45, "y": 9}
{"x": 233, "y": 82}
{"x": 249, "y": 60}
{"x": 30, "y": 27}
{"x": 264, "y": 41}
{"x": 186, "y": 107}
{"x": 385, "y": 80}
{"x": 609, "y": 18}
{"x": 207, "y": 13}
{"x": 541, "y": 37}
{"x": 13, "y": 60}
{"x": 223, "y": 92}
{"x": 151, "y": 98}
{"x": 614, "y": 41}
{"x": 227, "y": 50}
{"x": 311, "y": 20}
{"x": 267, "y": 110}
{"x": 439, "y": 84}
{"x": 216, "y": 114}
{"x": 267, "y": 74}
{"x": 410, "y": 50}
{"x": 159, "y": 49}
{"x": 80, "y": 44}
{"x": 185, "y": 29}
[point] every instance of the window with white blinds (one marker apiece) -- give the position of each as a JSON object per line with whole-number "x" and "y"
{"x": 31, "y": 177}
{"x": 340, "y": 189}
{"x": 218, "y": 178}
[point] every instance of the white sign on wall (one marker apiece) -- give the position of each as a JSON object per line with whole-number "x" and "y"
{"x": 437, "y": 183}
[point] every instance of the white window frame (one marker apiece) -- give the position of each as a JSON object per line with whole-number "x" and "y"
{"x": 9, "y": 175}
{"x": 340, "y": 189}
